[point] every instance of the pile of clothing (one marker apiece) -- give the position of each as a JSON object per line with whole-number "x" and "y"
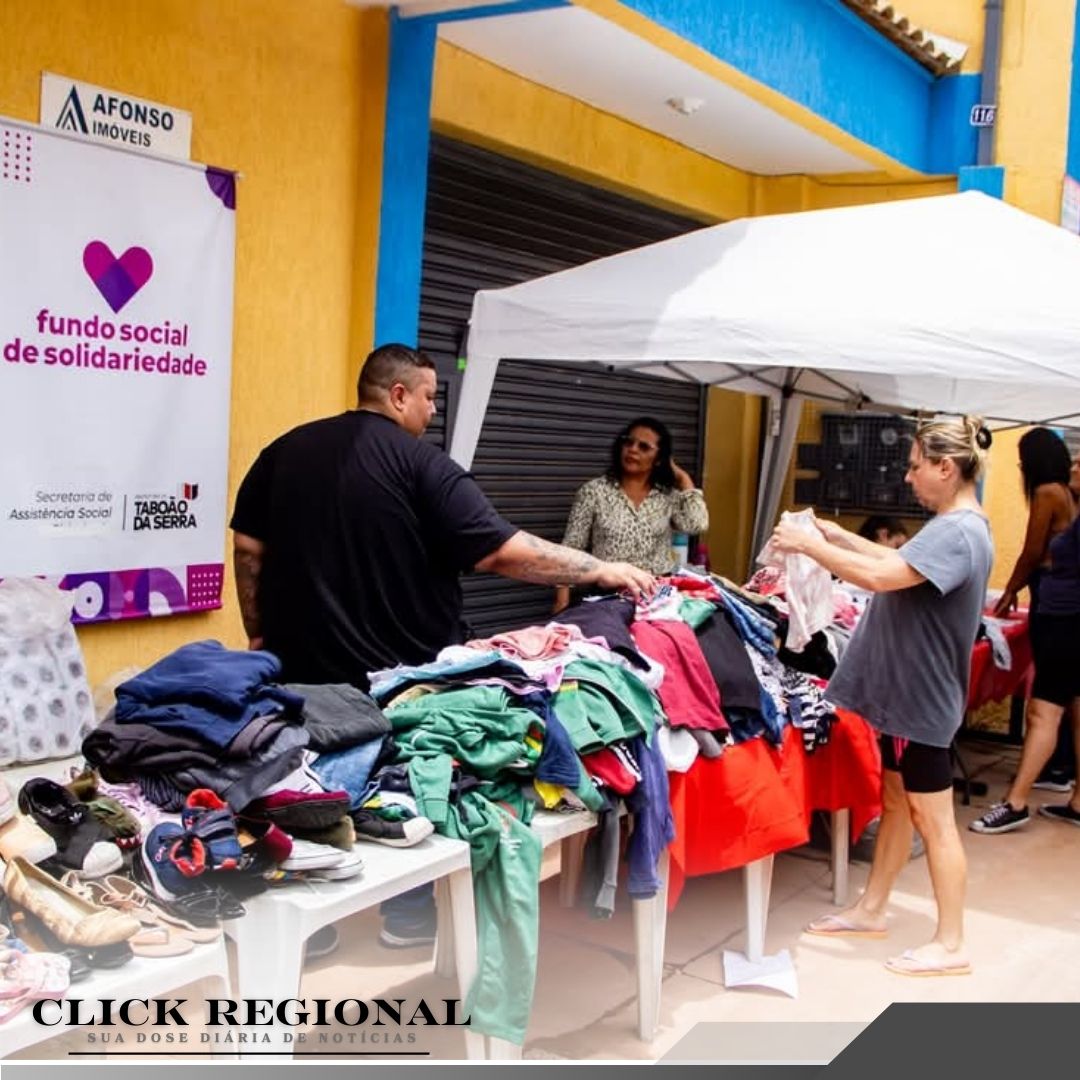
{"x": 728, "y": 668}
{"x": 238, "y": 781}
{"x": 561, "y": 716}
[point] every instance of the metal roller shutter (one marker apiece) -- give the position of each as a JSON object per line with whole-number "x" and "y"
{"x": 492, "y": 222}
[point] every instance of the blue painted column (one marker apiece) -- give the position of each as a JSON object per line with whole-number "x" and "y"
{"x": 404, "y": 178}
{"x": 989, "y": 179}
{"x": 1072, "y": 160}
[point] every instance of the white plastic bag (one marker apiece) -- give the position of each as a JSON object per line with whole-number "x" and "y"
{"x": 809, "y": 586}
{"x": 45, "y": 702}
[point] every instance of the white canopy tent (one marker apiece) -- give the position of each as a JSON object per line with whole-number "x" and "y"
{"x": 952, "y": 304}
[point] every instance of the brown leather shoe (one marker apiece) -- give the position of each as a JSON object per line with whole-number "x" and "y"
{"x": 72, "y": 919}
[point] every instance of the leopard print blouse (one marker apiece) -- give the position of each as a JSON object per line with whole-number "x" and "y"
{"x": 606, "y": 523}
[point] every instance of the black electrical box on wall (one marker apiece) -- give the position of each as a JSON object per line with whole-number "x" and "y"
{"x": 861, "y": 463}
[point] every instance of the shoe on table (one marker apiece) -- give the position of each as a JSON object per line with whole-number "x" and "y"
{"x": 1001, "y": 818}
{"x": 407, "y": 936}
{"x": 371, "y": 827}
{"x": 1064, "y": 812}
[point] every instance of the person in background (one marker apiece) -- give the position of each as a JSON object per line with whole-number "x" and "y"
{"x": 1059, "y": 774}
{"x": 882, "y": 529}
{"x": 1049, "y": 565}
{"x": 906, "y": 671}
{"x": 350, "y": 536}
{"x": 629, "y": 514}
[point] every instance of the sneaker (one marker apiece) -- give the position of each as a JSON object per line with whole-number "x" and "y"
{"x": 208, "y": 818}
{"x": 350, "y": 866}
{"x": 171, "y": 858}
{"x": 1064, "y": 812}
{"x": 369, "y": 826}
{"x": 1055, "y": 782}
{"x": 322, "y": 943}
{"x": 396, "y": 936}
{"x": 307, "y": 855}
{"x": 1001, "y": 818}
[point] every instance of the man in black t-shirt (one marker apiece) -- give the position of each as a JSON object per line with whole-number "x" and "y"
{"x": 351, "y": 534}
{"x": 350, "y": 537}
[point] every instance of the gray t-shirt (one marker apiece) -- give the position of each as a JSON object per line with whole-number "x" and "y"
{"x": 909, "y": 661}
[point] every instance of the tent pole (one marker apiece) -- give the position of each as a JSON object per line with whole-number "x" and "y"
{"x": 472, "y": 404}
{"x": 779, "y": 446}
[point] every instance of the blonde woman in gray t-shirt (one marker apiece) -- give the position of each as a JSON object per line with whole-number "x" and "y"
{"x": 907, "y": 670}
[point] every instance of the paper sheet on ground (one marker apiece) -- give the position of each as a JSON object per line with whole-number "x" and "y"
{"x": 776, "y": 972}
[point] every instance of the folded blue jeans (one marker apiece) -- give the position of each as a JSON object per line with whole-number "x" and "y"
{"x": 349, "y": 770}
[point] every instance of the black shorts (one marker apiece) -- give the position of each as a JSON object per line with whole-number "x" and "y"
{"x": 1055, "y": 648}
{"x": 923, "y": 769}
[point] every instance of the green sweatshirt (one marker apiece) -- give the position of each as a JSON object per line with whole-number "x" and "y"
{"x": 506, "y": 877}
{"x": 600, "y": 704}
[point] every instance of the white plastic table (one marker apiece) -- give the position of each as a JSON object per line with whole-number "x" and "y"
{"x": 757, "y": 884}
{"x": 141, "y": 977}
{"x": 270, "y": 937}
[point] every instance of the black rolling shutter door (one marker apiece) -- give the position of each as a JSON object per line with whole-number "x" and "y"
{"x": 493, "y": 222}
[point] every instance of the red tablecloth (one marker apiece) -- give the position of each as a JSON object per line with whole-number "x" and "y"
{"x": 988, "y": 681}
{"x": 756, "y": 800}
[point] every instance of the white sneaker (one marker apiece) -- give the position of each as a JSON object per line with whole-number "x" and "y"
{"x": 307, "y": 855}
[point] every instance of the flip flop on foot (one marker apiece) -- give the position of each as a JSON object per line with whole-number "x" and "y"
{"x": 927, "y": 965}
{"x": 835, "y": 925}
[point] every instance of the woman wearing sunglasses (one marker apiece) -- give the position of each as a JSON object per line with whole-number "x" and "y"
{"x": 629, "y": 514}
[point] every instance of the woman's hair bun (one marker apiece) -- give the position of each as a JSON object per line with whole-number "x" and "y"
{"x": 983, "y": 438}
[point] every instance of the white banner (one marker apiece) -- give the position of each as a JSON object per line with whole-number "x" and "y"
{"x": 116, "y": 301}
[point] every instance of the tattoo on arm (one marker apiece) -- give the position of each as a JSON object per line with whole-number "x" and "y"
{"x": 248, "y": 566}
{"x": 545, "y": 563}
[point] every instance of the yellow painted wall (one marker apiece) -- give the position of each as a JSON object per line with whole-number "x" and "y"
{"x": 732, "y": 435}
{"x": 480, "y": 103}
{"x": 292, "y": 94}
{"x": 787, "y": 194}
{"x": 1033, "y": 111}
{"x": 961, "y": 20}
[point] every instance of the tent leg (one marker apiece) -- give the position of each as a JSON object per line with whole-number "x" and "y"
{"x": 779, "y": 446}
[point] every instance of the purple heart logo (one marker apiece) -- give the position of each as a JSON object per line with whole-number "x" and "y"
{"x": 118, "y": 280}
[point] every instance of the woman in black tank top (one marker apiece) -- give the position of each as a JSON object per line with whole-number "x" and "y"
{"x": 1054, "y": 629}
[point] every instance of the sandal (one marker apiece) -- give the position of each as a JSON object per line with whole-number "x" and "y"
{"x": 29, "y": 977}
{"x": 208, "y": 818}
{"x": 833, "y": 925}
{"x": 907, "y": 963}
{"x": 153, "y": 940}
{"x": 125, "y": 895}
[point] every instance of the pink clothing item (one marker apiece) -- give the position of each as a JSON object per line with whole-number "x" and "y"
{"x": 688, "y": 693}
{"x": 845, "y": 612}
{"x": 768, "y": 581}
{"x": 533, "y": 642}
